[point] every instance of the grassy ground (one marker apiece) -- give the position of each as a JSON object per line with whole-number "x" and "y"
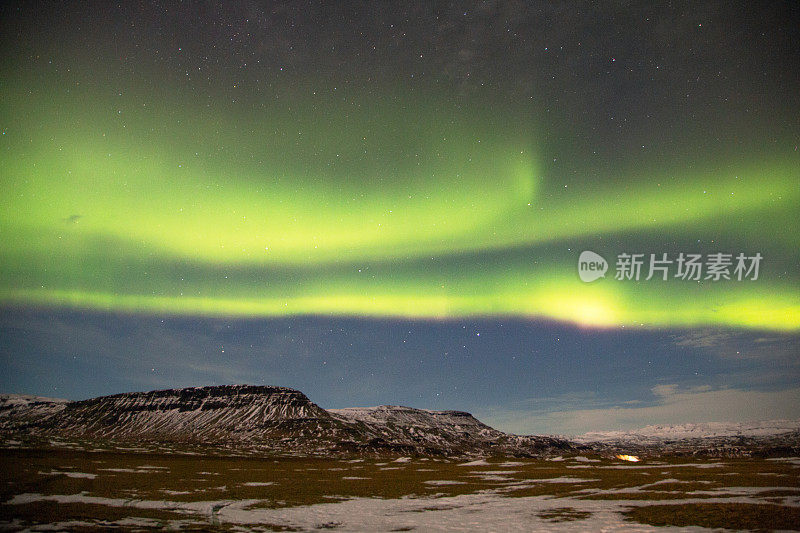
{"x": 274, "y": 483}
{"x": 755, "y": 517}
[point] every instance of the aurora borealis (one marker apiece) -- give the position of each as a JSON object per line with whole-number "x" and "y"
{"x": 432, "y": 163}
{"x": 310, "y": 207}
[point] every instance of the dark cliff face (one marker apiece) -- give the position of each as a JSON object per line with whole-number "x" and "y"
{"x": 211, "y": 391}
{"x": 203, "y": 399}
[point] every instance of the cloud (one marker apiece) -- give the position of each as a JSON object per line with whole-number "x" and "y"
{"x": 704, "y": 339}
{"x": 740, "y": 345}
{"x": 672, "y": 390}
{"x": 673, "y": 405}
{"x": 664, "y": 390}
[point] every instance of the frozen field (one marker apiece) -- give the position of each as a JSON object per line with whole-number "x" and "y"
{"x": 80, "y": 490}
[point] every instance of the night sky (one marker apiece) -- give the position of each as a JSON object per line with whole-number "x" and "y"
{"x": 385, "y": 203}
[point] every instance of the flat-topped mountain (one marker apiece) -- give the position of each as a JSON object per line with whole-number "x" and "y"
{"x": 259, "y": 416}
{"x": 404, "y": 424}
{"x": 203, "y": 414}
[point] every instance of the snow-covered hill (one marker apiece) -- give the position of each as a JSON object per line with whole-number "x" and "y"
{"x": 417, "y": 425}
{"x": 762, "y": 428}
{"x": 230, "y": 413}
{"x": 12, "y": 402}
{"x": 20, "y": 412}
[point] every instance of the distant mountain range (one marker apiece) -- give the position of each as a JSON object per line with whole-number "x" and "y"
{"x": 284, "y": 420}
{"x": 705, "y": 430}
{"x": 766, "y": 438}
{"x": 259, "y": 417}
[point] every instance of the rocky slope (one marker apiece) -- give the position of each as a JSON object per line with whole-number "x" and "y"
{"x": 20, "y": 412}
{"x": 404, "y": 424}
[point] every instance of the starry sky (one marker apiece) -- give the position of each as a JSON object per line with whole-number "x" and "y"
{"x": 385, "y": 205}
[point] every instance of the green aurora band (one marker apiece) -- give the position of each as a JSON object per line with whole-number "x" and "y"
{"x": 404, "y": 206}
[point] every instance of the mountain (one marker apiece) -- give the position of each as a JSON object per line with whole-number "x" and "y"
{"x": 418, "y": 425}
{"x": 729, "y": 439}
{"x": 259, "y": 417}
{"x": 255, "y": 419}
{"x": 19, "y": 411}
{"x": 275, "y": 417}
{"x": 655, "y": 433}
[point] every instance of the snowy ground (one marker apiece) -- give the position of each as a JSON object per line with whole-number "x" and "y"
{"x": 469, "y": 512}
